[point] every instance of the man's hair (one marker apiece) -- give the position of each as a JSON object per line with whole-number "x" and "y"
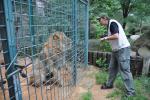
{"x": 103, "y": 17}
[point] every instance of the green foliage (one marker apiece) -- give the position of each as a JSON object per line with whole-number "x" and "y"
{"x": 142, "y": 8}
{"x": 114, "y": 94}
{"x": 138, "y": 97}
{"x": 142, "y": 83}
{"x": 96, "y": 31}
{"x": 105, "y": 46}
{"x": 134, "y": 12}
{"x": 119, "y": 84}
{"x": 99, "y": 6}
{"x": 102, "y": 63}
{"x": 100, "y": 30}
{"x": 101, "y": 77}
{"x": 142, "y": 87}
{"x": 86, "y": 96}
{"x": 119, "y": 91}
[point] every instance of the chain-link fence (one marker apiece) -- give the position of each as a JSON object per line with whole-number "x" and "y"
{"x": 43, "y": 48}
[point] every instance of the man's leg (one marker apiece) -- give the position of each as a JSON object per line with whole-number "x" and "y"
{"x": 113, "y": 70}
{"x": 124, "y": 68}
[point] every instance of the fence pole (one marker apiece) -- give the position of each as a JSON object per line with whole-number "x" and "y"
{"x": 31, "y": 27}
{"x": 3, "y": 34}
{"x": 86, "y": 32}
{"x": 9, "y": 47}
{"x": 74, "y": 19}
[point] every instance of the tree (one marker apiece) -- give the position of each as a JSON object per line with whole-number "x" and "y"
{"x": 111, "y": 7}
{"x": 142, "y": 11}
{"x": 121, "y": 9}
{"x": 127, "y": 6}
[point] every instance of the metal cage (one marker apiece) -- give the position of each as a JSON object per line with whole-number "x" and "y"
{"x": 43, "y": 48}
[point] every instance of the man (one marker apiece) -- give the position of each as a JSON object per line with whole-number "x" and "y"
{"x": 120, "y": 59}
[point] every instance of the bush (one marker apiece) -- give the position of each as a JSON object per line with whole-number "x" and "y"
{"x": 105, "y": 46}
{"x": 97, "y": 31}
{"x": 102, "y": 63}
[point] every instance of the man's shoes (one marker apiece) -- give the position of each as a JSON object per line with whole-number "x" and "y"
{"x": 105, "y": 86}
{"x": 130, "y": 94}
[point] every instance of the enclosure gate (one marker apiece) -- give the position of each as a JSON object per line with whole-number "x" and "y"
{"x": 43, "y": 48}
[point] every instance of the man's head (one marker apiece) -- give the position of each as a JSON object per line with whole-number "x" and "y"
{"x": 103, "y": 20}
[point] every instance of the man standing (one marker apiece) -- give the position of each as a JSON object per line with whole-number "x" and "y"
{"x": 120, "y": 58}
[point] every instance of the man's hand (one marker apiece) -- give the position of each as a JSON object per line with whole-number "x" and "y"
{"x": 104, "y": 38}
{"x": 111, "y": 37}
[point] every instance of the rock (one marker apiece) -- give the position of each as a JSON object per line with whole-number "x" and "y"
{"x": 146, "y": 66}
{"x": 144, "y": 52}
{"x": 142, "y": 46}
{"x": 142, "y": 41}
{"x": 133, "y": 54}
{"x": 134, "y": 37}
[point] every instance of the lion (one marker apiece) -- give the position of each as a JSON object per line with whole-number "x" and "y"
{"x": 51, "y": 59}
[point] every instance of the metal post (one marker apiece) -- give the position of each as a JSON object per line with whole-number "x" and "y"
{"x": 86, "y": 32}
{"x": 31, "y": 27}
{"x": 74, "y": 13}
{"x": 3, "y": 37}
{"x": 31, "y": 31}
{"x": 9, "y": 47}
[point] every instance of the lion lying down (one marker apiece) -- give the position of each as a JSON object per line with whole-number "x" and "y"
{"x": 51, "y": 59}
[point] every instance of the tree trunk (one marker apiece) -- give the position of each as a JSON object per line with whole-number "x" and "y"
{"x": 124, "y": 24}
{"x": 141, "y": 25}
{"x": 125, "y": 4}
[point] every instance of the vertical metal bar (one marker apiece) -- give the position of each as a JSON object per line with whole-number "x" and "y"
{"x": 2, "y": 30}
{"x": 13, "y": 82}
{"x": 31, "y": 31}
{"x": 47, "y": 20}
{"x": 74, "y": 41}
{"x": 3, "y": 34}
{"x": 86, "y": 32}
{"x": 67, "y": 82}
{"x": 22, "y": 29}
{"x": 31, "y": 27}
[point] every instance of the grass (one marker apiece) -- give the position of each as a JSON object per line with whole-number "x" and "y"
{"x": 142, "y": 87}
{"x": 101, "y": 77}
{"x": 86, "y": 96}
{"x": 114, "y": 94}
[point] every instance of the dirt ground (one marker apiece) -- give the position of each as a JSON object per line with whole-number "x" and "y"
{"x": 88, "y": 83}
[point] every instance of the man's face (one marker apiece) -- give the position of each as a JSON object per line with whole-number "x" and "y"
{"x": 103, "y": 22}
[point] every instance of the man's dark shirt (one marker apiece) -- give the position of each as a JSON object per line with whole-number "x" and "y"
{"x": 114, "y": 28}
